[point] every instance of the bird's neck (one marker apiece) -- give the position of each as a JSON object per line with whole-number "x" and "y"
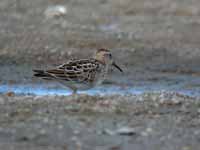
{"x": 100, "y": 61}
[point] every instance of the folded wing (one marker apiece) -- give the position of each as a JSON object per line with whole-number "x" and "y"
{"x": 83, "y": 70}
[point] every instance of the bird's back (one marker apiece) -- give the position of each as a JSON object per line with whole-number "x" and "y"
{"x": 84, "y": 72}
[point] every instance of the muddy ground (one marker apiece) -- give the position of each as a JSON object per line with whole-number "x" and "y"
{"x": 152, "y": 40}
{"x": 149, "y": 121}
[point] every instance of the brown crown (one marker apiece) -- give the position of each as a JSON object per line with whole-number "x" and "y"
{"x": 103, "y": 50}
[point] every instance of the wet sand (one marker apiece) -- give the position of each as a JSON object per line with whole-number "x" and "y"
{"x": 155, "y": 104}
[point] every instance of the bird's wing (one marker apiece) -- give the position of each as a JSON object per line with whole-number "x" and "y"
{"x": 76, "y": 70}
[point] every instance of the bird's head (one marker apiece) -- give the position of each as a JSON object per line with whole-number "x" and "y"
{"x": 105, "y": 57}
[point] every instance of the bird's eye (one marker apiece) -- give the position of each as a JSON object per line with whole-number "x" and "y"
{"x": 109, "y": 55}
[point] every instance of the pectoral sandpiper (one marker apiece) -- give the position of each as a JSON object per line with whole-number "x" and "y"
{"x": 81, "y": 74}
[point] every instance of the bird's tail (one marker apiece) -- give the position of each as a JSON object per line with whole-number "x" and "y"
{"x": 41, "y": 74}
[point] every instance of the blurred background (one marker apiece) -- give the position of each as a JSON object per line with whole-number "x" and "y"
{"x": 153, "y": 35}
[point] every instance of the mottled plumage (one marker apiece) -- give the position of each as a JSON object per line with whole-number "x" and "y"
{"x": 81, "y": 74}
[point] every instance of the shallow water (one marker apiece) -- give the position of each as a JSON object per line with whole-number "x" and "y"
{"x": 41, "y": 89}
{"x": 51, "y": 89}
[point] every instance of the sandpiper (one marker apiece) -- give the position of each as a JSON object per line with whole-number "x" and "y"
{"x": 81, "y": 74}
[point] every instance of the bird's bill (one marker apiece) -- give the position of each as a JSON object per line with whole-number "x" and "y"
{"x": 116, "y": 66}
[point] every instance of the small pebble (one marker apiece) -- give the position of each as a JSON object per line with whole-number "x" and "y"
{"x": 10, "y": 94}
{"x": 43, "y": 131}
{"x": 108, "y": 132}
{"x": 74, "y": 138}
{"x": 46, "y": 120}
{"x": 76, "y": 132}
{"x": 126, "y": 131}
{"x": 60, "y": 127}
{"x": 149, "y": 130}
{"x": 55, "y": 11}
{"x": 144, "y": 133}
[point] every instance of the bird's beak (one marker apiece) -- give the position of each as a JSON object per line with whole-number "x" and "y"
{"x": 116, "y": 66}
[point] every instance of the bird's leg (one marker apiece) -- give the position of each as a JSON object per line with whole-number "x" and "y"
{"x": 74, "y": 91}
{"x": 74, "y": 94}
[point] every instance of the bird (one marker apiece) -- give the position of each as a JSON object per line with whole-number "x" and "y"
{"x": 81, "y": 74}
